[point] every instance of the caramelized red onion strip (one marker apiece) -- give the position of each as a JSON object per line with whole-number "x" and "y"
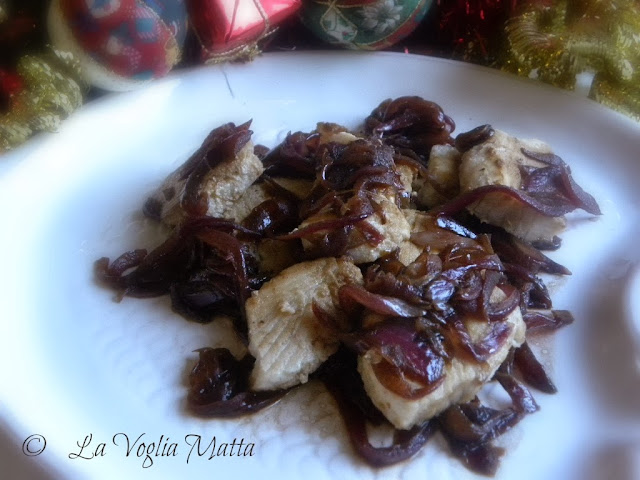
{"x": 223, "y": 144}
{"x": 520, "y": 395}
{"x": 113, "y": 272}
{"x": 541, "y": 321}
{"x": 382, "y": 304}
{"x": 532, "y": 370}
{"x": 230, "y": 250}
{"x": 513, "y": 250}
{"x": 410, "y": 358}
{"x": 469, "y": 430}
{"x": 571, "y": 189}
{"x": 481, "y": 350}
{"x": 497, "y": 311}
{"x": 405, "y": 444}
{"x": 325, "y": 225}
{"x": 153, "y": 274}
{"x": 219, "y": 386}
{"x": 555, "y": 209}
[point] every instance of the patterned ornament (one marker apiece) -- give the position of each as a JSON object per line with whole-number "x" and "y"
{"x": 363, "y": 24}
{"x": 233, "y": 29}
{"x": 120, "y": 43}
{"x": 558, "y": 42}
{"x": 46, "y": 91}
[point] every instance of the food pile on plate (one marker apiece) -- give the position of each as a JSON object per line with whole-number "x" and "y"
{"x": 398, "y": 264}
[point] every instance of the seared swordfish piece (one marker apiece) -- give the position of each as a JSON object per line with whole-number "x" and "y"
{"x": 499, "y": 161}
{"x": 286, "y": 338}
{"x": 462, "y": 381}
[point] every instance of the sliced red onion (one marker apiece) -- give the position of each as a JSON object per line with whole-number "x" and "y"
{"x": 218, "y": 386}
{"x": 571, "y": 190}
{"x": 481, "y": 350}
{"x": 520, "y": 395}
{"x": 325, "y": 225}
{"x": 532, "y": 370}
{"x": 544, "y": 321}
{"x": 497, "y": 311}
{"x": 404, "y": 357}
{"x": 382, "y": 304}
{"x": 548, "y": 208}
{"x": 513, "y": 250}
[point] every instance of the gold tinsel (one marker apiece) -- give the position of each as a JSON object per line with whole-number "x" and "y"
{"x": 557, "y": 42}
{"x": 52, "y": 91}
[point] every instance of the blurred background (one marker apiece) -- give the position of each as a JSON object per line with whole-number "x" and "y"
{"x": 56, "y": 55}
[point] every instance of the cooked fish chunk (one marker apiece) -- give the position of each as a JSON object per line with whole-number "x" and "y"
{"x": 388, "y": 221}
{"x": 222, "y": 187}
{"x": 260, "y": 192}
{"x": 463, "y": 379}
{"x": 286, "y": 339}
{"x": 442, "y": 181}
{"x": 418, "y": 221}
{"x": 410, "y": 250}
{"x": 498, "y": 162}
{"x": 250, "y": 199}
{"x": 332, "y": 132}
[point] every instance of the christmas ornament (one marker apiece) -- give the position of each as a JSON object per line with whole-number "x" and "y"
{"x": 556, "y": 42}
{"x": 44, "y": 90}
{"x": 121, "y": 44}
{"x": 232, "y": 29}
{"x": 363, "y": 24}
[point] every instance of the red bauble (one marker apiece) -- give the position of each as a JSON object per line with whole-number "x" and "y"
{"x": 227, "y": 29}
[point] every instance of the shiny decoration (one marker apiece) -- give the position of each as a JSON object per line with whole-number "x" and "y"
{"x": 49, "y": 92}
{"x": 556, "y": 42}
{"x": 233, "y": 29}
{"x": 363, "y": 24}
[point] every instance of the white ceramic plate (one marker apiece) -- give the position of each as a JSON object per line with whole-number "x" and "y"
{"x": 74, "y": 363}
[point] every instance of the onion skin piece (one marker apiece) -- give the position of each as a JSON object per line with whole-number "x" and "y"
{"x": 462, "y": 201}
{"x": 411, "y": 124}
{"x": 538, "y": 321}
{"x": 513, "y": 250}
{"x": 469, "y": 429}
{"x": 467, "y": 140}
{"x": 479, "y": 351}
{"x": 406, "y": 443}
{"x": 404, "y": 355}
{"x": 218, "y": 386}
{"x": 326, "y": 225}
{"x": 532, "y": 370}
{"x": 520, "y": 395}
{"x": 341, "y": 378}
{"x": 272, "y": 217}
{"x": 382, "y": 304}
{"x": 572, "y": 190}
